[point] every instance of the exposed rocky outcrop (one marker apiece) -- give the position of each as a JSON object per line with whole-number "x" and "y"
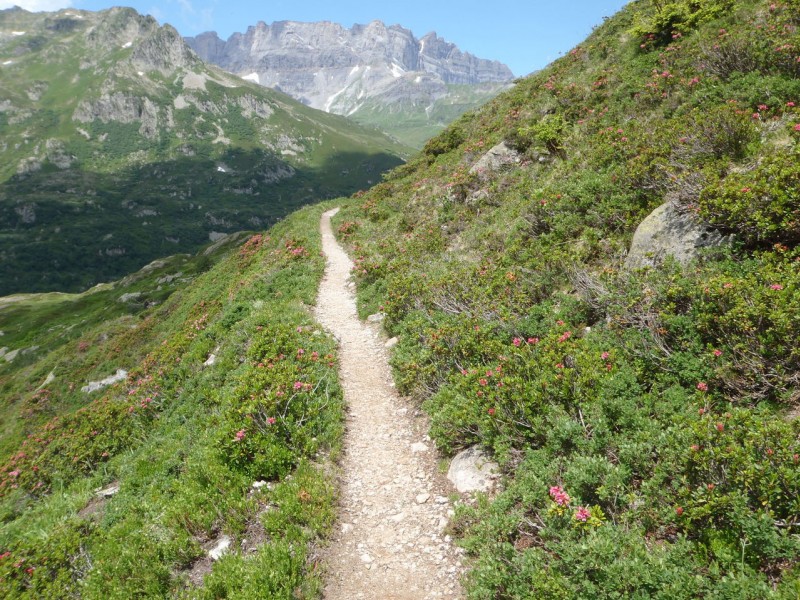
{"x": 669, "y": 231}
{"x": 499, "y": 157}
{"x": 163, "y": 51}
{"x": 336, "y": 69}
{"x": 123, "y": 108}
{"x": 58, "y": 155}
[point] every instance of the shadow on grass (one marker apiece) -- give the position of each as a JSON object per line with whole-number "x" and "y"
{"x": 69, "y": 230}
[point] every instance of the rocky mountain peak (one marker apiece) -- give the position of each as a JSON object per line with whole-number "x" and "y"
{"x": 367, "y": 67}
{"x": 300, "y": 57}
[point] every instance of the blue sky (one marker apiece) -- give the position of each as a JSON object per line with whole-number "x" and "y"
{"x": 526, "y": 35}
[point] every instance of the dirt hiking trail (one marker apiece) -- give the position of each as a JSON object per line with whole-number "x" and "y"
{"x": 389, "y": 543}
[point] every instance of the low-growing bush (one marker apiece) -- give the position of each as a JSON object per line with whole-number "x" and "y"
{"x": 761, "y": 204}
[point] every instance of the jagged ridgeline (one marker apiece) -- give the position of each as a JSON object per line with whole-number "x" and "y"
{"x": 118, "y": 145}
{"x": 642, "y": 397}
{"x": 377, "y": 75}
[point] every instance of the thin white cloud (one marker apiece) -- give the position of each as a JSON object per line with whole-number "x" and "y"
{"x": 187, "y": 7}
{"x": 192, "y": 14}
{"x": 36, "y": 5}
{"x": 157, "y": 14}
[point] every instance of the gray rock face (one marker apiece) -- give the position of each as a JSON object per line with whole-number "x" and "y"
{"x": 163, "y": 51}
{"x": 472, "y": 470}
{"x": 93, "y": 386}
{"x": 338, "y": 70}
{"x": 495, "y": 159}
{"x": 123, "y": 108}
{"x": 668, "y": 231}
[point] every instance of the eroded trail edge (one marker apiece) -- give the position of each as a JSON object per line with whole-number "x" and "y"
{"x": 390, "y": 542}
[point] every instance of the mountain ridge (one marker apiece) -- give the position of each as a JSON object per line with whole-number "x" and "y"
{"x": 360, "y": 70}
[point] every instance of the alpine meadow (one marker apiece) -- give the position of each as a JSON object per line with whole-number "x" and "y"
{"x": 594, "y": 279}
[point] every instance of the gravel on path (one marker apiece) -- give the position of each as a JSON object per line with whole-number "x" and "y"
{"x": 390, "y": 542}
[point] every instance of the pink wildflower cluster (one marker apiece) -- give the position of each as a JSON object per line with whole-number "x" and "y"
{"x": 582, "y": 514}
{"x": 559, "y": 496}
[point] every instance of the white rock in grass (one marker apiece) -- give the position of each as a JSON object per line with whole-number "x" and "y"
{"x": 107, "y": 491}
{"x": 497, "y": 158}
{"x": 671, "y": 231}
{"x": 471, "y": 470}
{"x": 93, "y": 386}
{"x": 220, "y": 548}
{"x": 51, "y": 377}
{"x": 212, "y": 358}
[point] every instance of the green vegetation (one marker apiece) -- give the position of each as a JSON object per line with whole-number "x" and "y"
{"x": 646, "y": 421}
{"x": 183, "y": 438}
{"x": 413, "y": 123}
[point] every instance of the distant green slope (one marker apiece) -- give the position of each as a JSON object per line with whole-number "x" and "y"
{"x": 412, "y": 122}
{"x": 118, "y": 145}
{"x": 646, "y": 420}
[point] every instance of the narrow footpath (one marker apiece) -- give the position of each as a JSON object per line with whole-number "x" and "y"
{"x": 390, "y": 542}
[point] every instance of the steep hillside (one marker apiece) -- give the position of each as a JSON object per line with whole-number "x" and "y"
{"x": 118, "y": 145}
{"x": 640, "y": 392}
{"x": 216, "y": 436}
{"x": 378, "y": 75}
{"x": 644, "y": 407}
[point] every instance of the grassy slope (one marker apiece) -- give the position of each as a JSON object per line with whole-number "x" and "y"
{"x": 691, "y": 489}
{"x": 184, "y": 440}
{"x": 659, "y": 401}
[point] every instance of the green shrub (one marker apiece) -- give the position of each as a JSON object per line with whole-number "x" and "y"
{"x": 547, "y": 132}
{"x": 663, "y": 19}
{"x": 761, "y": 205}
{"x": 447, "y": 141}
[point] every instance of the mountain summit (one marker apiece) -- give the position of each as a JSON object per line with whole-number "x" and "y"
{"x": 365, "y": 72}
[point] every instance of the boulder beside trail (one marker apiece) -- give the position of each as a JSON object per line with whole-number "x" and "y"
{"x": 472, "y": 470}
{"x": 669, "y": 231}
